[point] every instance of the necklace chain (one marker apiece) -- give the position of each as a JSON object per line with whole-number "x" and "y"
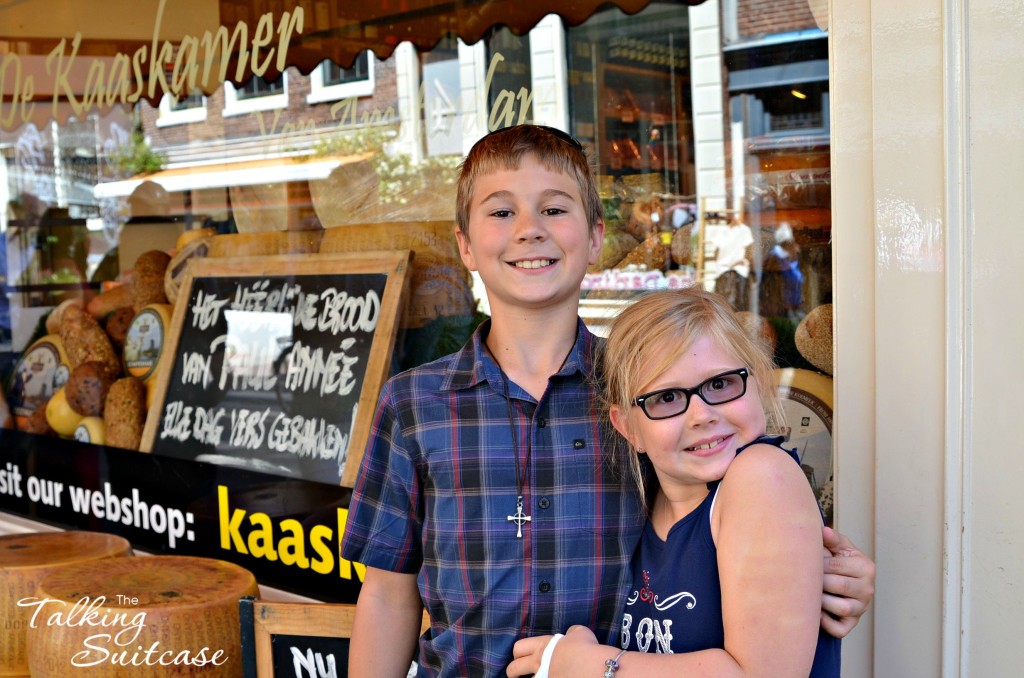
{"x": 519, "y": 518}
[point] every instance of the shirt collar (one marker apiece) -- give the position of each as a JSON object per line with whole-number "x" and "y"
{"x": 473, "y": 363}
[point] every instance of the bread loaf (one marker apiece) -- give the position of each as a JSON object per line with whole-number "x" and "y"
{"x": 53, "y": 320}
{"x": 117, "y": 324}
{"x": 105, "y": 303}
{"x": 814, "y": 337}
{"x": 147, "y": 286}
{"x": 124, "y": 413}
{"x": 85, "y": 340}
{"x": 87, "y": 388}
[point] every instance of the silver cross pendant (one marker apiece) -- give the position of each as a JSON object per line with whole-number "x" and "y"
{"x": 519, "y": 518}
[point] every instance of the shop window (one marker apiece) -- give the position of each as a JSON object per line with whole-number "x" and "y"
{"x": 443, "y": 112}
{"x": 191, "y": 108}
{"x": 509, "y": 65}
{"x": 331, "y": 82}
{"x": 255, "y": 95}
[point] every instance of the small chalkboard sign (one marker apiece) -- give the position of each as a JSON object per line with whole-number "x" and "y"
{"x": 296, "y": 640}
{"x": 278, "y": 362}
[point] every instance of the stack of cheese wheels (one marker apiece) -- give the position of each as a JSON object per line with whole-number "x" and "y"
{"x": 143, "y": 616}
{"x": 25, "y": 560}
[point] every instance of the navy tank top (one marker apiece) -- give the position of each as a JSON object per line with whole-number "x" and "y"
{"x": 675, "y": 603}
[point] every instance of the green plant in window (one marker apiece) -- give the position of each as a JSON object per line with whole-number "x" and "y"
{"x": 137, "y": 156}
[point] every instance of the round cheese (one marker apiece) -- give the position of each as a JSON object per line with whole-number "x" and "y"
{"x": 152, "y": 610}
{"x": 265, "y": 243}
{"x": 191, "y": 236}
{"x": 194, "y": 248}
{"x": 61, "y": 417}
{"x": 807, "y": 406}
{"x": 25, "y": 560}
{"x": 144, "y": 343}
{"x": 41, "y": 371}
{"x": 91, "y": 430}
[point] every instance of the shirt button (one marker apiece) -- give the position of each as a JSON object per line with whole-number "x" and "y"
{"x": 544, "y": 502}
{"x": 578, "y": 444}
{"x": 545, "y": 587}
{"x": 541, "y": 423}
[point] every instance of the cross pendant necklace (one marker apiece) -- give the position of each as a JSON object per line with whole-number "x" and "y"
{"x": 519, "y": 518}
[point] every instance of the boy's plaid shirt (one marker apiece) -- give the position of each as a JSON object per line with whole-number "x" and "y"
{"x": 438, "y": 483}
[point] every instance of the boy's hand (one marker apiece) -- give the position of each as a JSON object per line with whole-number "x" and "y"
{"x": 527, "y": 655}
{"x": 849, "y": 584}
{"x": 577, "y": 645}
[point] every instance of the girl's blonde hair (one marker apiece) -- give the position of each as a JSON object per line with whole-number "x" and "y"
{"x": 653, "y": 332}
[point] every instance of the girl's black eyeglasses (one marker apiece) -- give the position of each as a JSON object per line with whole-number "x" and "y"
{"x": 671, "y": 402}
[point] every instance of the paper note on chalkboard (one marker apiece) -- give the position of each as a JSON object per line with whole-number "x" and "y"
{"x": 278, "y": 362}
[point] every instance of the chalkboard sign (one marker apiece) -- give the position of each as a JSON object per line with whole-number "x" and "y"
{"x": 278, "y": 362}
{"x": 297, "y": 640}
{"x": 300, "y": 640}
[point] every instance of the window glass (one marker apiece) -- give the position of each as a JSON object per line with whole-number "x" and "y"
{"x": 708, "y": 128}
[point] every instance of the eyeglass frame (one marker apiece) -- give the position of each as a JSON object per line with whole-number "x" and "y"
{"x": 640, "y": 400}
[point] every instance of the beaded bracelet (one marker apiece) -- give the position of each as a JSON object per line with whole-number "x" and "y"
{"x": 613, "y": 665}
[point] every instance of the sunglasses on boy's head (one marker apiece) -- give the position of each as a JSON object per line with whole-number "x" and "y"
{"x": 671, "y": 402}
{"x": 553, "y": 131}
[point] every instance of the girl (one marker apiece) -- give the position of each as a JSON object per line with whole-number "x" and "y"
{"x": 727, "y": 576}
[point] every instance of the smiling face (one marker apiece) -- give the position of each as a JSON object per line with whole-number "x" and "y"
{"x": 529, "y": 237}
{"x": 696, "y": 447}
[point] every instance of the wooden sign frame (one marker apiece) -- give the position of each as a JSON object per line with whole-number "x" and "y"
{"x": 322, "y": 620}
{"x": 395, "y": 264}
{"x": 274, "y": 618}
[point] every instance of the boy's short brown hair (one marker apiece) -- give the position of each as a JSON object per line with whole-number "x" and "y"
{"x": 503, "y": 149}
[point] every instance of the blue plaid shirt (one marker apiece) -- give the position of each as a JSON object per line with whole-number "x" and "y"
{"x": 438, "y": 483}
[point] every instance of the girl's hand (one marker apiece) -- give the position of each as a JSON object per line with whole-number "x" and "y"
{"x": 849, "y": 584}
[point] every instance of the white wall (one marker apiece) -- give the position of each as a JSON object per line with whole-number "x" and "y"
{"x": 927, "y": 159}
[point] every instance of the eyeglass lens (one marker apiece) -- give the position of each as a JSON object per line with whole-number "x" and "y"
{"x": 717, "y": 390}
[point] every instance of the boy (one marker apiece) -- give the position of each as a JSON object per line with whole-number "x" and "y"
{"x": 482, "y": 493}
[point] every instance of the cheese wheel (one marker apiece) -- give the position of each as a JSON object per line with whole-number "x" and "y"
{"x": 60, "y": 416}
{"x": 193, "y": 249}
{"x": 41, "y": 371}
{"x": 192, "y": 235}
{"x": 807, "y": 406}
{"x": 91, "y": 430}
{"x": 258, "y": 244}
{"x": 25, "y": 560}
{"x": 144, "y": 344}
{"x": 157, "y": 608}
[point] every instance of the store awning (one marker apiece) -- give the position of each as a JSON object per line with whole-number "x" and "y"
{"x": 245, "y": 173}
{"x": 141, "y": 49}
